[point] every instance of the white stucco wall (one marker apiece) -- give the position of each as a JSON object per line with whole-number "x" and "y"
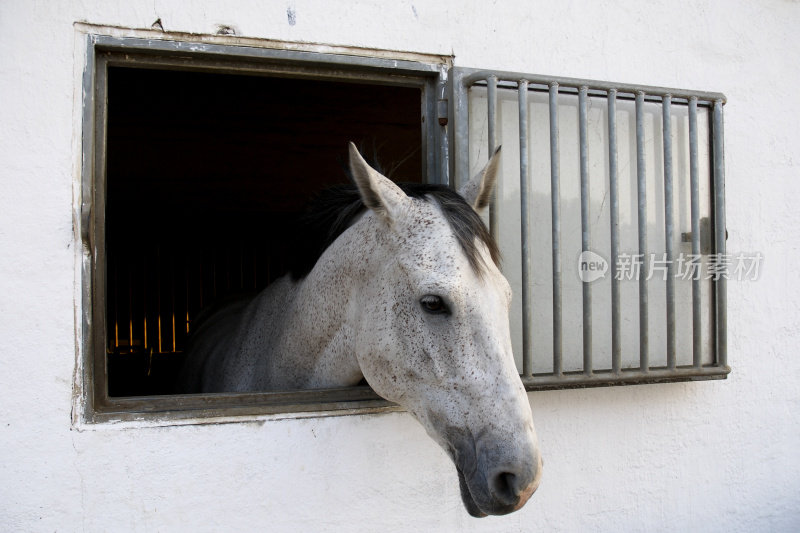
{"x": 714, "y": 456}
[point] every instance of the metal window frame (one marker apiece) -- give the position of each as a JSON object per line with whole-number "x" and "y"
{"x": 103, "y": 51}
{"x": 462, "y": 79}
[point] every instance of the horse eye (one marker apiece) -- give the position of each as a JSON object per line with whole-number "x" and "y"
{"x": 433, "y": 304}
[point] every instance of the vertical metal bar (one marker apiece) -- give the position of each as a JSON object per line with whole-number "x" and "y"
{"x": 430, "y": 127}
{"x": 442, "y": 134}
{"x": 720, "y": 285}
{"x": 525, "y": 217}
{"x": 585, "y": 231}
{"x": 694, "y": 180}
{"x": 616, "y": 331}
{"x": 444, "y": 167}
{"x": 491, "y": 96}
{"x": 460, "y": 106}
{"x": 641, "y": 179}
{"x": 666, "y": 126}
{"x": 555, "y": 195}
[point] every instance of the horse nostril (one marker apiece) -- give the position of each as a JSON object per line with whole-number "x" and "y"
{"x": 505, "y": 488}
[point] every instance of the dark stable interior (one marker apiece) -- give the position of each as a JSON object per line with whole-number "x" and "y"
{"x": 206, "y": 174}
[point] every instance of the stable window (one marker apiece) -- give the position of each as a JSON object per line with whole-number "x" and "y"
{"x": 197, "y": 158}
{"x": 197, "y": 161}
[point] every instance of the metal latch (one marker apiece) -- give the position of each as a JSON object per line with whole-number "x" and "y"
{"x": 705, "y": 236}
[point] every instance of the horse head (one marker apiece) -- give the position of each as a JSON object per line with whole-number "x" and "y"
{"x": 433, "y": 334}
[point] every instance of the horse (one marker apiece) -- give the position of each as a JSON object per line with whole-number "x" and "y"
{"x": 403, "y": 290}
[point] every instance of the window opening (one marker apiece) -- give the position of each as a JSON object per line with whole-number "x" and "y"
{"x": 206, "y": 174}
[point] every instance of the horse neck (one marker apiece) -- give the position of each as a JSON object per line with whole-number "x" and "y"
{"x": 324, "y": 308}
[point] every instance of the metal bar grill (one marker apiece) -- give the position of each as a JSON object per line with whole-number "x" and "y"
{"x": 658, "y": 356}
{"x": 181, "y": 290}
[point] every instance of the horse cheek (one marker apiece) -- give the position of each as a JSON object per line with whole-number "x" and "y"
{"x": 375, "y": 347}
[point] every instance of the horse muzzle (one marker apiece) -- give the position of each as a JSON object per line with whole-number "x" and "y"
{"x": 498, "y": 488}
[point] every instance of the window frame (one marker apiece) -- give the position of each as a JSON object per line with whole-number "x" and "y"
{"x": 445, "y": 110}
{"x": 104, "y": 51}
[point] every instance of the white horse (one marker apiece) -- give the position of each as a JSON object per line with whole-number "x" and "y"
{"x": 408, "y": 295}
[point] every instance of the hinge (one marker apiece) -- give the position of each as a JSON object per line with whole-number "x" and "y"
{"x": 441, "y": 111}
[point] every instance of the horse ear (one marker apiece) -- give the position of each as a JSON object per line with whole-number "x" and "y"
{"x": 378, "y": 192}
{"x": 478, "y": 191}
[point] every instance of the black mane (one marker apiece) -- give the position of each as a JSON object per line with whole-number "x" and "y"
{"x": 333, "y": 210}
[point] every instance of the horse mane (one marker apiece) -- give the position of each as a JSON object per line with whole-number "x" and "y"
{"x": 333, "y": 210}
